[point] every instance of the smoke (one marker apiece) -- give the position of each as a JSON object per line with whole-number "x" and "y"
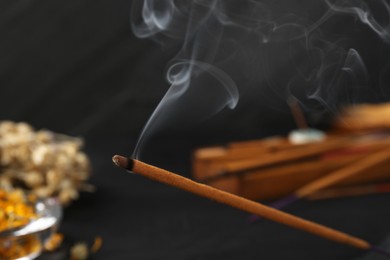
{"x": 259, "y": 52}
{"x": 186, "y": 101}
{"x": 361, "y": 10}
{"x": 151, "y": 17}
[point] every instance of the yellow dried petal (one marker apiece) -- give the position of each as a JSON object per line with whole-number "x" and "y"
{"x": 79, "y": 252}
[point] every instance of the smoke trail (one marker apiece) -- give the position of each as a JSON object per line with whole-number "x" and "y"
{"x": 362, "y": 11}
{"x": 188, "y": 101}
{"x": 264, "y": 50}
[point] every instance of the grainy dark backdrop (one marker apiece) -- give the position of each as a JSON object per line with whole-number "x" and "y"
{"x": 75, "y": 67}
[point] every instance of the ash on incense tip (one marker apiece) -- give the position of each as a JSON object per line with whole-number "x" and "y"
{"x": 122, "y": 162}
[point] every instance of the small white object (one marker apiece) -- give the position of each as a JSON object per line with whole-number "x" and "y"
{"x": 307, "y": 135}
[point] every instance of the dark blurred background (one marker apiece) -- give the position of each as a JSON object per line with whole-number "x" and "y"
{"x": 75, "y": 67}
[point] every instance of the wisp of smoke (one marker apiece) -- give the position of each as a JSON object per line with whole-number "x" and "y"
{"x": 361, "y": 10}
{"x": 255, "y": 51}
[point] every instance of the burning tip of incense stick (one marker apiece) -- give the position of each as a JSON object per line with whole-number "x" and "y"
{"x": 122, "y": 162}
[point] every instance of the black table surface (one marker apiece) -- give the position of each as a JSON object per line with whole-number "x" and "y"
{"x": 141, "y": 219}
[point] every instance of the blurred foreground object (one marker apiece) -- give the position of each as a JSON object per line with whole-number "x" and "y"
{"x": 364, "y": 117}
{"x": 26, "y": 224}
{"x": 15, "y": 210}
{"x": 304, "y": 134}
{"x": 81, "y": 250}
{"x": 42, "y": 162}
{"x": 274, "y": 167}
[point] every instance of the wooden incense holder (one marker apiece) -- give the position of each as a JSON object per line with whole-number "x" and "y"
{"x": 344, "y": 173}
{"x": 332, "y": 178}
{"x": 169, "y": 178}
{"x": 273, "y": 168}
{"x": 357, "y": 190}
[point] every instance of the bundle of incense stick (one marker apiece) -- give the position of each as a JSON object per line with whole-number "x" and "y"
{"x": 169, "y": 178}
{"x": 273, "y": 168}
{"x": 363, "y": 117}
{"x": 350, "y": 191}
{"x": 337, "y": 176}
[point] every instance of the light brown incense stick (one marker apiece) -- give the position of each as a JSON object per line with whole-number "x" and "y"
{"x": 335, "y": 177}
{"x": 297, "y": 113}
{"x": 169, "y": 178}
{"x": 215, "y": 163}
{"x": 358, "y": 190}
{"x": 219, "y": 169}
{"x": 344, "y": 173}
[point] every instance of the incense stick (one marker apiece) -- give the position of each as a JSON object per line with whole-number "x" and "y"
{"x": 242, "y": 166}
{"x": 297, "y": 113}
{"x": 359, "y": 190}
{"x": 332, "y": 178}
{"x": 344, "y": 173}
{"x": 209, "y": 170}
{"x": 169, "y": 178}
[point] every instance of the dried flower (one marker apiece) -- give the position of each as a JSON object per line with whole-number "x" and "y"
{"x": 97, "y": 244}
{"x": 15, "y": 210}
{"x": 19, "y": 247}
{"x": 45, "y": 163}
{"x": 54, "y": 242}
{"x": 79, "y": 251}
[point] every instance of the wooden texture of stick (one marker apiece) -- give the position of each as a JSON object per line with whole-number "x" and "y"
{"x": 335, "y": 177}
{"x": 344, "y": 173}
{"x": 283, "y": 168}
{"x": 332, "y": 178}
{"x": 359, "y": 190}
{"x": 282, "y": 156}
{"x": 233, "y": 163}
{"x": 282, "y": 181}
{"x": 169, "y": 178}
{"x": 297, "y": 113}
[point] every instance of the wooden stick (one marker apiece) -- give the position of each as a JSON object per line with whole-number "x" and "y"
{"x": 297, "y": 113}
{"x": 210, "y": 170}
{"x": 344, "y": 173}
{"x": 169, "y": 178}
{"x": 281, "y": 157}
{"x": 334, "y": 177}
{"x": 275, "y": 183}
{"x": 359, "y": 190}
